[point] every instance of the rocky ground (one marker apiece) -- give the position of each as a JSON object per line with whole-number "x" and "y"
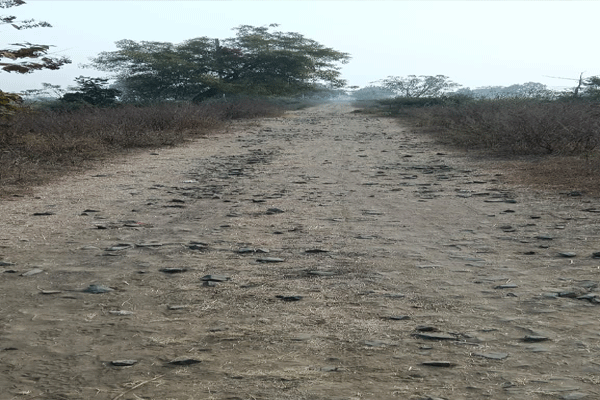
{"x": 326, "y": 254}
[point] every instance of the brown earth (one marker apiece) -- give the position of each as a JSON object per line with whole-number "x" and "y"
{"x": 404, "y": 270}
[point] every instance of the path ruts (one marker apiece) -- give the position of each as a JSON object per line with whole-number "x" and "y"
{"x": 326, "y": 254}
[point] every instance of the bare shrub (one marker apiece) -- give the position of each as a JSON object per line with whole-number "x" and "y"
{"x": 37, "y": 144}
{"x": 516, "y": 126}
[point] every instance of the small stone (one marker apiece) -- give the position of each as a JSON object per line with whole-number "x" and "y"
{"x": 123, "y": 363}
{"x": 567, "y": 254}
{"x": 569, "y": 293}
{"x": 506, "y": 286}
{"x": 215, "y": 278}
{"x": 50, "y": 291}
{"x": 535, "y": 338}
{"x": 119, "y": 247}
{"x": 435, "y": 336}
{"x": 289, "y": 298}
{"x": 32, "y": 272}
{"x": 426, "y": 328}
{"x": 316, "y": 251}
{"x": 270, "y": 260}
{"x": 594, "y": 255}
{"x": 589, "y": 297}
{"x": 6, "y": 264}
{"x": 492, "y": 356}
{"x": 544, "y": 237}
{"x": 441, "y": 364}
{"x": 97, "y": 289}
{"x": 173, "y": 270}
{"x": 177, "y": 307}
{"x": 274, "y": 210}
{"x": 148, "y": 245}
{"x": 398, "y": 317}
{"x": 44, "y": 213}
{"x": 184, "y": 361}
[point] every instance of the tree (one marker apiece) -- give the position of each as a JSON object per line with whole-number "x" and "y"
{"x": 9, "y": 101}
{"x": 592, "y": 88}
{"x": 93, "y": 91}
{"x": 26, "y": 50}
{"x": 47, "y": 92}
{"x": 528, "y": 90}
{"x": 414, "y": 86}
{"x": 372, "y": 93}
{"x": 256, "y": 62}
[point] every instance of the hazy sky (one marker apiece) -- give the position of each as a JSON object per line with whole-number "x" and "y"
{"x": 475, "y": 43}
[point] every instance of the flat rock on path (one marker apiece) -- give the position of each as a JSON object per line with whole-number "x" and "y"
{"x": 492, "y": 305}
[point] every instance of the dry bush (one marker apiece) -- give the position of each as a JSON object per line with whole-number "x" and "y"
{"x": 516, "y": 126}
{"x": 534, "y": 142}
{"x": 38, "y": 144}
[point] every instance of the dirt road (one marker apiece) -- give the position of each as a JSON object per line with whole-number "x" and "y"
{"x": 322, "y": 255}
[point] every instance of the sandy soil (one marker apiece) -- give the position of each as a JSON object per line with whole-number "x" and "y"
{"x": 348, "y": 257}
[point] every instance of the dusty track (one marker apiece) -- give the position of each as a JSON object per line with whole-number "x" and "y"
{"x": 386, "y": 251}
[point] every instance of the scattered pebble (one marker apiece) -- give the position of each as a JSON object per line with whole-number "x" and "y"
{"x": 398, "y": 317}
{"x": 289, "y": 298}
{"x": 435, "y": 336}
{"x": 535, "y": 338}
{"x": 32, "y": 272}
{"x": 184, "y": 361}
{"x": 215, "y": 278}
{"x": 316, "y": 251}
{"x": 492, "y": 356}
{"x": 567, "y": 254}
{"x": 506, "y": 286}
{"x": 6, "y": 264}
{"x": 441, "y": 364}
{"x": 173, "y": 270}
{"x": 123, "y": 363}
{"x": 270, "y": 260}
{"x": 97, "y": 289}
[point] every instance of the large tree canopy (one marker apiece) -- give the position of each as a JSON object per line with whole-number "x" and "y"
{"x": 421, "y": 86}
{"x": 256, "y": 61}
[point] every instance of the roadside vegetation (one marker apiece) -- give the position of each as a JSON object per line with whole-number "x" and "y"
{"x": 155, "y": 94}
{"x": 550, "y": 138}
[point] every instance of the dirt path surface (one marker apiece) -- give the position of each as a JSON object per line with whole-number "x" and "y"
{"x": 322, "y": 255}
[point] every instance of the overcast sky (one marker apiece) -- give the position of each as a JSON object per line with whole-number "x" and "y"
{"x": 475, "y": 43}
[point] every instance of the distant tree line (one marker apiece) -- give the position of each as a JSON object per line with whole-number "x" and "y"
{"x": 430, "y": 90}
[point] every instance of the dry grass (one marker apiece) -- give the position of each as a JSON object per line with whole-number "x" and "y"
{"x": 38, "y": 145}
